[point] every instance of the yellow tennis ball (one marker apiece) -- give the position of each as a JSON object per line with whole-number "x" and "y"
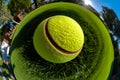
{"x": 58, "y": 39}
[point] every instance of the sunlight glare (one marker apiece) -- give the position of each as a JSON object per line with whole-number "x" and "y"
{"x": 87, "y": 2}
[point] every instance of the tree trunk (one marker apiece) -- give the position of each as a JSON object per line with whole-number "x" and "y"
{"x": 35, "y": 3}
{"x": 14, "y": 21}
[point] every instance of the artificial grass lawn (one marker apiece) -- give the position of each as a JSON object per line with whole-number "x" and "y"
{"x": 93, "y": 63}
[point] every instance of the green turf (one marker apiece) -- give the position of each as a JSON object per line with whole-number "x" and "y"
{"x": 93, "y": 63}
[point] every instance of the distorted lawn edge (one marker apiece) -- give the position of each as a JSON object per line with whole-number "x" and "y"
{"x": 88, "y": 15}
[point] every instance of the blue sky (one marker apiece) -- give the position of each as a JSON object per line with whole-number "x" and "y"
{"x": 113, "y": 4}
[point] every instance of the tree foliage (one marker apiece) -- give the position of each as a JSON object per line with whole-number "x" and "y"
{"x": 17, "y": 6}
{"x": 36, "y": 2}
{"x": 4, "y": 12}
{"x": 73, "y": 1}
{"x": 111, "y": 20}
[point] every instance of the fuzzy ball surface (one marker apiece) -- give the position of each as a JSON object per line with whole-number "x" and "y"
{"x": 66, "y": 33}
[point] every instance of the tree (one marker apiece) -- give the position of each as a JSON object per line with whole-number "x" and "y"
{"x": 117, "y": 31}
{"x": 16, "y": 6}
{"x": 2, "y": 12}
{"x": 36, "y": 2}
{"x": 5, "y": 13}
{"x": 73, "y": 1}
{"x": 111, "y": 20}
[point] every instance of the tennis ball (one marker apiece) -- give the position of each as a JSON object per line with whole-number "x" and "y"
{"x": 58, "y": 39}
